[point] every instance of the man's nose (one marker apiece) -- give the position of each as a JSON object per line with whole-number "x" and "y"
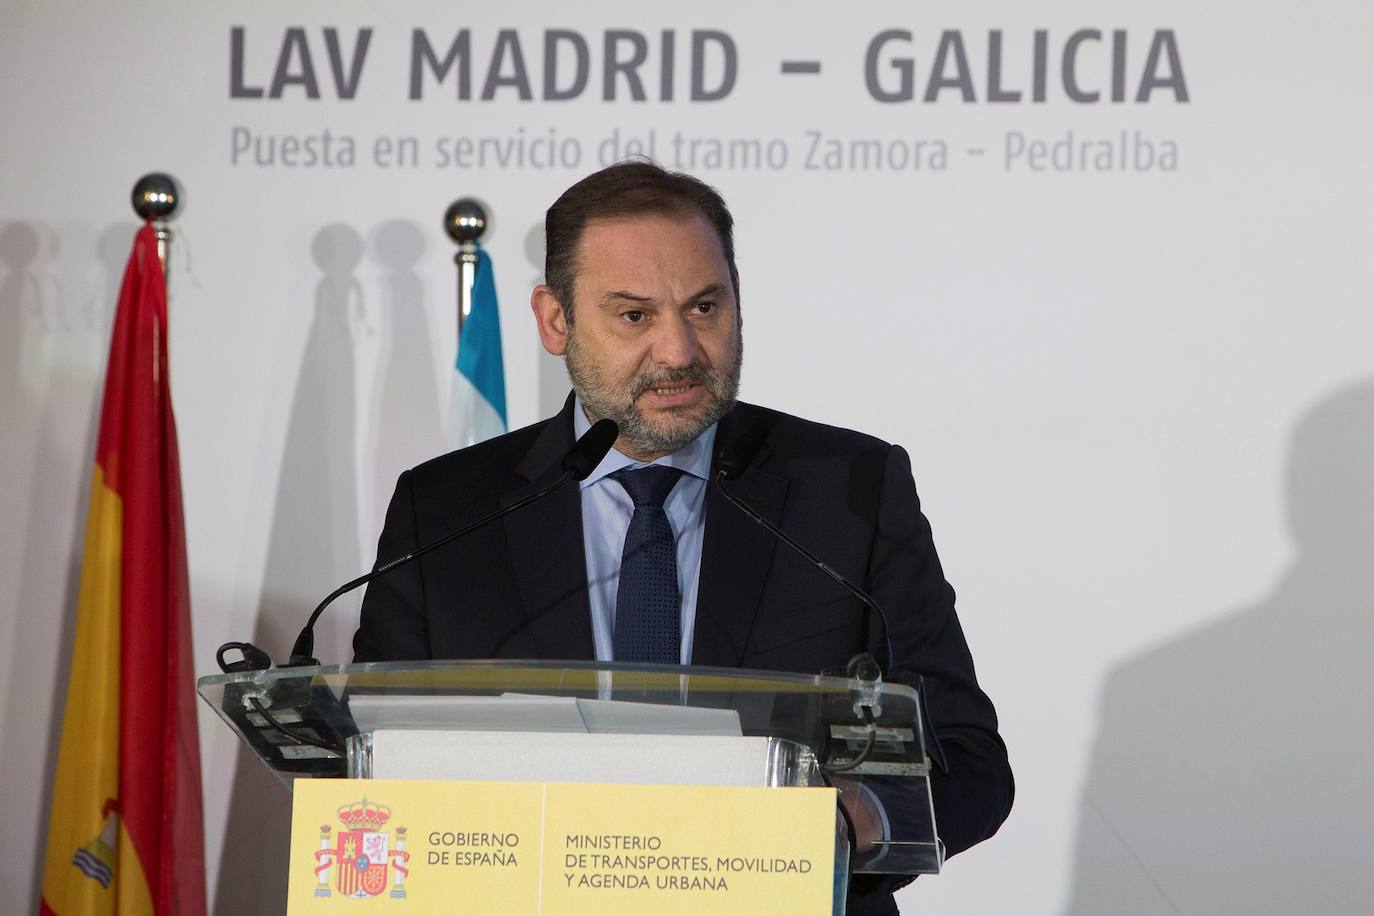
{"x": 675, "y": 344}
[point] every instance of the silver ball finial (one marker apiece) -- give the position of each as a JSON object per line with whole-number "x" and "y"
{"x": 466, "y": 220}
{"x": 157, "y": 196}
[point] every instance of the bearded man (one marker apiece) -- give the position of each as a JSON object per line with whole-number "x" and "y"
{"x": 642, "y": 299}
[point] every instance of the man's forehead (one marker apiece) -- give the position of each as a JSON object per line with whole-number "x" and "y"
{"x": 634, "y": 234}
{"x": 647, "y": 243}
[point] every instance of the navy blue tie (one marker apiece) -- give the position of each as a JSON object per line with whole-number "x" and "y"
{"x": 648, "y": 606}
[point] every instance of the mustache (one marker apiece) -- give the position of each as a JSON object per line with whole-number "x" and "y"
{"x": 663, "y": 378}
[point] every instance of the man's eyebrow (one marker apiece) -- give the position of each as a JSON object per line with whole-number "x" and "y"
{"x": 624, "y": 294}
{"x": 710, "y": 289}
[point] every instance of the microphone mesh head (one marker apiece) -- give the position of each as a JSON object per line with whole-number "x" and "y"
{"x": 588, "y": 451}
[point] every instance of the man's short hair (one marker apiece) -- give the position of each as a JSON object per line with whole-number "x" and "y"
{"x": 626, "y": 190}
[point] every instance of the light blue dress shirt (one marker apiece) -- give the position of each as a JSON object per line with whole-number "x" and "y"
{"x": 606, "y": 512}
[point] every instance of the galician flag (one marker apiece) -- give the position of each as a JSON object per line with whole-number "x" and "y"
{"x": 124, "y": 832}
{"x": 477, "y": 407}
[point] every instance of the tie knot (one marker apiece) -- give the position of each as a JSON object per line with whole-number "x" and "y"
{"x": 648, "y": 486}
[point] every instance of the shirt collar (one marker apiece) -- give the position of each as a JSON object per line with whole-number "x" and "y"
{"x": 693, "y": 458}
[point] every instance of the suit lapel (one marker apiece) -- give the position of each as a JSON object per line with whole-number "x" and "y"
{"x": 545, "y": 542}
{"x": 736, "y": 556}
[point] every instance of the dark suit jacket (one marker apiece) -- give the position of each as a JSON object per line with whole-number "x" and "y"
{"x": 518, "y": 589}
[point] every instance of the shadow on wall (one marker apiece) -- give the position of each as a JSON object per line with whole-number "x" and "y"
{"x": 405, "y": 407}
{"x": 21, "y": 318}
{"x": 1229, "y": 773}
{"x": 56, "y": 303}
{"x": 313, "y": 544}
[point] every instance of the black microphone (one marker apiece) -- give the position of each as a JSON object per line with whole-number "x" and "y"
{"x": 579, "y": 461}
{"x": 588, "y": 451}
{"x": 735, "y": 454}
{"x": 732, "y": 458}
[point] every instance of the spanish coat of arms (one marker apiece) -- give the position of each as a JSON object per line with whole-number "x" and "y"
{"x": 361, "y": 855}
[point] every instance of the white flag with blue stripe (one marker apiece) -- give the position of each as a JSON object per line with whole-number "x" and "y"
{"x": 477, "y": 407}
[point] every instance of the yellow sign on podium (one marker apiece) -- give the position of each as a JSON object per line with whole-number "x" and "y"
{"x": 558, "y": 849}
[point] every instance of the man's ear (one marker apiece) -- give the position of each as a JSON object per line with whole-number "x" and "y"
{"x": 549, "y": 317}
{"x": 739, "y": 313}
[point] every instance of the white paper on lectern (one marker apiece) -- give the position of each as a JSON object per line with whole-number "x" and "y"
{"x": 509, "y": 712}
{"x": 637, "y": 759}
{"x": 557, "y": 739}
{"x": 655, "y": 719}
{"x": 533, "y": 713}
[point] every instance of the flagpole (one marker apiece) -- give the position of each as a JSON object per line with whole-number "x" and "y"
{"x": 466, "y": 222}
{"x": 157, "y": 199}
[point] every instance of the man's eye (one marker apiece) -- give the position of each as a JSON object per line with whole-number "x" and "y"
{"x": 705, "y": 308}
{"x": 633, "y": 316}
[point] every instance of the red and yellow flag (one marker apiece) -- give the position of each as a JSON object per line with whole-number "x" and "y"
{"x": 124, "y": 833}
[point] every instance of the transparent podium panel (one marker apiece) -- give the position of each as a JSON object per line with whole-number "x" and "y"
{"x": 592, "y": 722}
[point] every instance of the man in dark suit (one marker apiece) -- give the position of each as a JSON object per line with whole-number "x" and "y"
{"x": 642, "y": 298}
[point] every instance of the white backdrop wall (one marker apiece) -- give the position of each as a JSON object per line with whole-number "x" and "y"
{"x": 1140, "y": 400}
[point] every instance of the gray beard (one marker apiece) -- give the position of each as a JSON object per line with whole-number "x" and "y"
{"x": 604, "y": 400}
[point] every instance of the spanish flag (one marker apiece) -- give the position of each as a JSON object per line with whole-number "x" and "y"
{"x": 124, "y": 832}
